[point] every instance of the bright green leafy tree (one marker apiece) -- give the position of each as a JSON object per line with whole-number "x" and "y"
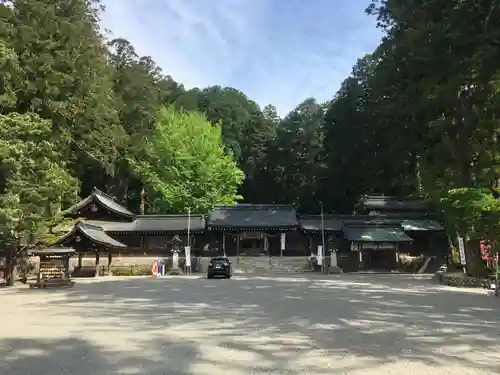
{"x": 34, "y": 184}
{"x": 184, "y": 165}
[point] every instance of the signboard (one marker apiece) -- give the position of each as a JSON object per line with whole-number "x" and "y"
{"x": 320, "y": 255}
{"x": 283, "y": 241}
{"x": 187, "y": 249}
{"x": 461, "y": 247}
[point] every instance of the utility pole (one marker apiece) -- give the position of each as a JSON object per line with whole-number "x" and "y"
{"x": 188, "y": 248}
{"x": 323, "y": 255}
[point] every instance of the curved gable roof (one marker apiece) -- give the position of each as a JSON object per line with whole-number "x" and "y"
{"x": 105, "y": 201}
{"x": 93, "y": 233}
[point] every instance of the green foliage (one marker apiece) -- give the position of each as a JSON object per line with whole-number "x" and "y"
{"x": 478, "y": 208}
{"x": 295, "y": 160}
{"x": 465, "y": 281}
{"x": 34, "y": 180}
{"x": 9, "y": 66}
{"x": 63, "y": 76}
{"x": 417, "y": 117}
{"x": 184, "y": 165}
{"x": 137, "y": 270}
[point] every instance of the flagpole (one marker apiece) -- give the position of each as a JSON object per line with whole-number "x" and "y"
{"x": 189, "y": 241}
{"x": 189, "y": 226}
{"x": 323, "y": 267}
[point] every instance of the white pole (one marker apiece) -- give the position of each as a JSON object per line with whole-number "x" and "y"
{"x": 189, "y": 225}
{"x": 323, "y": 266}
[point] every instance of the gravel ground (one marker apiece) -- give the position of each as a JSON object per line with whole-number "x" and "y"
{"x": 347, "y": 324}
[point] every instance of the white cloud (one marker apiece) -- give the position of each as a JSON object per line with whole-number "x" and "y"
{"x": 275, "y": 53}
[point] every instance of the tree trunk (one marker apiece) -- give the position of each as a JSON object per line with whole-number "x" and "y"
{"x": 10, "y": 267}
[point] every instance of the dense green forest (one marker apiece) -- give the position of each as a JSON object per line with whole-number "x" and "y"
{"x": 417, "y": 117}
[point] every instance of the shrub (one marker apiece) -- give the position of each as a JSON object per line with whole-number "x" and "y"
{"x": 135, "y": 270}
{"x": 465, "y": 281}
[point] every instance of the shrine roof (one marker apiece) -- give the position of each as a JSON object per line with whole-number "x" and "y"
{"x": 94, "y": 233}
{"x": 313, "y": 223}
{"x": 253, "y": 217}
{"x": 381, "y": 202}
{"x": 105, "y": 201}
{"x": 155, "y": 223}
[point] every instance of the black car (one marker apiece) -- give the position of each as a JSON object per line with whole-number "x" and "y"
{"x": 220, "y": 266}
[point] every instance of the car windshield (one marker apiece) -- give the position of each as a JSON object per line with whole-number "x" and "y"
{"x": 219, "y": 261}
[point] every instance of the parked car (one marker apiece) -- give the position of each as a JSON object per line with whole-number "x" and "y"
{"x": 220, "y": 266}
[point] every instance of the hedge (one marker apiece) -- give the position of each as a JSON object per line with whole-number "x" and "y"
{"x": 465, "y": 281}
{"x": 136, "y": 270}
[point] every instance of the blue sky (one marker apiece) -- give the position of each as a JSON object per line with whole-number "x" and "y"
{"x": 275, "y": 51}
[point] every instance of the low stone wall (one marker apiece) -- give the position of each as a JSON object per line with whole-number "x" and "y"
{"x": 263, "y": 264}
{"x": 141, "y": 265}
{"x": 461, "y": 280}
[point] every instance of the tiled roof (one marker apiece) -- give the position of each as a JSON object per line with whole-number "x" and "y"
{"x": 154, "y": 223}
{"x": 312, "y": 223}
{"x": 421, "y": 225}
{"x": 92, "y": 232}
{"x": 251, "y": 216}
{"x": 391, "y": 203}
{"x": 375, "y": 234}
{"x": 106, "y": 201}
{"x": 368, "y": 220}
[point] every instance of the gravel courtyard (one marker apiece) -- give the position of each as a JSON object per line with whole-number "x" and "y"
{"x": 348, "y": 324}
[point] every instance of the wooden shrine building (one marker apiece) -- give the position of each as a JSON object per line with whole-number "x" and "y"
{"x": 386, "y": 229}
{"x": 314, "y": 226}
{"x": 255, "y": 230}
{"x": 107, "y": 227}
{"x": 383, "y": 231}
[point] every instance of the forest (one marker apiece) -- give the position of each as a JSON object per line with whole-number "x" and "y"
{"x": 417, "y": 117}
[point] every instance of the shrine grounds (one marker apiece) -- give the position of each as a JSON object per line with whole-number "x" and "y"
{"x": 339, "y": 324}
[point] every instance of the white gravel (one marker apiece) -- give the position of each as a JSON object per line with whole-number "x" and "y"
{"x": 347, "y": 324}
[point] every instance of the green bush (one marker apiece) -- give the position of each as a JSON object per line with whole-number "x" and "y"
{"x": 136, "y": 270}
{"x": 465, "y": 281}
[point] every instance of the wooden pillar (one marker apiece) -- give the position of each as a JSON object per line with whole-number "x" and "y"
{"x": 66, "y": 267}
{"x": 110, "y": 260}
{"x": 97, "y": 260}
{"x": 80, "y": 260}
{"x": 39, "y": 275}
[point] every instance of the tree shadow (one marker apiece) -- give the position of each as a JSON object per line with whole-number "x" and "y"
{"x": 289, "y": 325}
{"x": 77, "y": 356}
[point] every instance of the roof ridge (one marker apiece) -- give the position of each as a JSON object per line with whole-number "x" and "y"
{"x": 254, "y": 206}
{"x": 88, "y": 225}
{"x": 392, "y": 198}
{"x": 325, "y": 216}
{"x": 106, "y": 195}
{"x": 157, "y": 216}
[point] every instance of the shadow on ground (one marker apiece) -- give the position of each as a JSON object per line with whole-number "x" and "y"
{"x": 76, "y": 356}
{"x": 349, "y": 324}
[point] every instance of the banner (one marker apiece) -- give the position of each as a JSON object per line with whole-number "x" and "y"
{"x": 461, "y": 247}
{"x": 187, "y": 249}
{"x": 319, "y": 257}
{"x": 283, "y": 241}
